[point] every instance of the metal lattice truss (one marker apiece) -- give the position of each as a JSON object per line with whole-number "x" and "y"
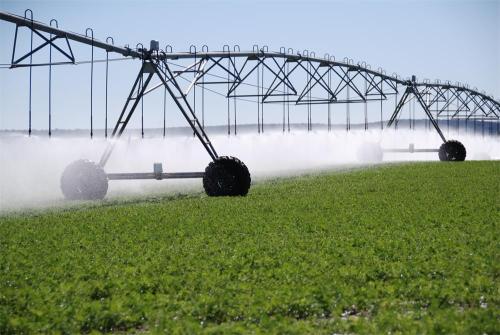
{"x": 299, "y": 79}
{"x": 268, "y": 77}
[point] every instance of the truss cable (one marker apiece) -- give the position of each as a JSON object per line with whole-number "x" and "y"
{"x": 215, "y": 92}
{"x": 97, "y": 61}
{"x": 91, "y": 80}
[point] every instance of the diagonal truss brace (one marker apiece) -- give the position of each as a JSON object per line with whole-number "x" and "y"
{"x": 47, "y": 41}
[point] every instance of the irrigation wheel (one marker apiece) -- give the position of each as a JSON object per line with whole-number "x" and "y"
{"x": 84, "y": 180}
{"x": 452, "y": 151}
{"x": 226, "y": 176}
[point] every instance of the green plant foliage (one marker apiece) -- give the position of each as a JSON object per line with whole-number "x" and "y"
{"x": 406, "y": 248}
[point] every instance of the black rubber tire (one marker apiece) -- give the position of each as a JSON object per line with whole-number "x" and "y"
{"x": 226, "y": 176}
{"x": 370, "y": 153}
{"x": 84, "y": 180}
{"x": 452, "y": 151}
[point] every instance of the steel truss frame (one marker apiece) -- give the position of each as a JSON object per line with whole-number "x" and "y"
{"x": 300, "y": 79}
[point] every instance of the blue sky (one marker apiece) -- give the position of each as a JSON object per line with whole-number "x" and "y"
{"x": 447, "y": 40}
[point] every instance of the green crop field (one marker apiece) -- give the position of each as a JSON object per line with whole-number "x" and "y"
{"x": 403, "y": 248}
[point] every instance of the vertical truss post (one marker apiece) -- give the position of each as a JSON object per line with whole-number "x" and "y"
{"x": 330, "y": 97}
{"x": 142, "y": 107}
{"x": 228, "y": 99}
{"x": 195, "y": 74}
{"x": 91, "y": 80}
{"x": 309, "y": 94}
{"x": 106, "y": 98}
{"x": 108, "y": 40}
{"x": 50, "y": 79}
{"x": 31, "y": 63}
{"x": 235, "y": 48}
{"x": 348, "y": 105}
{"x": 284, "y": 101}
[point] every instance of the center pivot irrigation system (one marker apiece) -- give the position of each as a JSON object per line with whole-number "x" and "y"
{"x": 291, "y": 79}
